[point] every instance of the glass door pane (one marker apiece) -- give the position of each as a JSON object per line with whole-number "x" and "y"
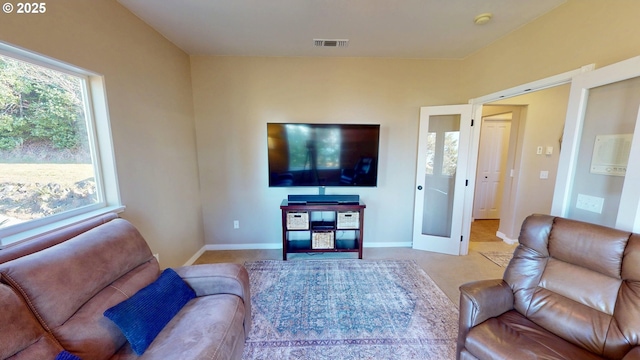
{"x": 440, "y": 174}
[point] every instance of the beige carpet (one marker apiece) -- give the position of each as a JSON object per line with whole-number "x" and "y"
{"x": 500, "y": 258}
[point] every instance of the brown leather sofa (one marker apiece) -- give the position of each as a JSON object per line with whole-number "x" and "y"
{"x": 55, "y": 289}
{"x": 571, "y": 291}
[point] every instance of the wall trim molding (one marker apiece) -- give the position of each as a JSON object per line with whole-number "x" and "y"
{"x": 276, "y": 246}
{"x": 388, "y": 244}
{"x": 195, "y": 256}
{"x": 261, "y": 246}
{"x": 506, "y": 239}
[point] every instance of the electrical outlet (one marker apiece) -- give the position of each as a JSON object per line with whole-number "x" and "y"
{"x": 590, "y": 203}
{"x": 236, "y": 224}
{"x": 539, "y": 150}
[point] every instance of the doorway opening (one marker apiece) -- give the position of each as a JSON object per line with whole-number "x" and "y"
{"x": 485, "y": 230}
{"x": 533, "y": 172}
{"x": 518, "y": 157}
{"x": 492, "y": 164}
{"x": 493, "y": 154}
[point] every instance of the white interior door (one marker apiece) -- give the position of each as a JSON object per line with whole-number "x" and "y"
{"x": 443, "y": 151}
{"x": 492, "y": 163}
{"x": 599, "y": 171}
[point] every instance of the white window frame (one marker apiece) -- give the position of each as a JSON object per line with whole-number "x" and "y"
{"x": 102, "y": 153}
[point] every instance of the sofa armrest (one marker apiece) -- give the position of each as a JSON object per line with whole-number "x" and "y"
{"x": 634, "y": 354}
{"x": 484, "y": 299}
{"x": 479, "y": 301}
{"x": 226, "y": 278}
{"x": 211, "y": 279}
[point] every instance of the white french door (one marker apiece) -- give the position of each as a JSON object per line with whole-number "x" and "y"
{"x": 599, "y": 171}
{"x": 443, "y": 152}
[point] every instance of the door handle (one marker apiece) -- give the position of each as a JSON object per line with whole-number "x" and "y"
{"x": 419, "y": 187}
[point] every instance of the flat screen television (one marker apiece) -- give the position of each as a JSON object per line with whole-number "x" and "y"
{"x": 323, "y": 154}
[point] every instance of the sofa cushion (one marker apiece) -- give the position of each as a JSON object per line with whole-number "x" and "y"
{"x": 142, "y": 316}
{"x": 58, "y": 280}
{"x": 512, "y": 336}
{"x": 223, "y": 278}
{"x": 88, "y": 333}
{"x": 554, "y": 272}
{"x": 44, "y": 348}
{"x": 20, "y": 333}
{"x": 576, "y": 290}
{"x": 65, "y": 355}
{"x": 68, "y": 286}
{"x": 208, "y": 327}
{"x": 52, "y": 238}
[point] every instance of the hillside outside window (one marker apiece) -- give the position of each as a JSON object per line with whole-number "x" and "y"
{"x": 49, "y": 164}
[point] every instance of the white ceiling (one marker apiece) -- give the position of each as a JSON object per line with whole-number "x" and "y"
{"x": 375, "y": 28}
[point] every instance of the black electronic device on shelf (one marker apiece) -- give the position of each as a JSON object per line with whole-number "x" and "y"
{"x": 323, "y": 199}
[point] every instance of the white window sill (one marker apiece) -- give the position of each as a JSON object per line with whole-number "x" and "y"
{"x": 26, "y": 235}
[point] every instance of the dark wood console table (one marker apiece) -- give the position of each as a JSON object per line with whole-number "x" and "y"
{"x": 322, "y": 227}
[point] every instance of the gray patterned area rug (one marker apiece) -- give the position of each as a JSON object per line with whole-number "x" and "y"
{"x": 348, "y": 309}
{"x": 500, "y": 258}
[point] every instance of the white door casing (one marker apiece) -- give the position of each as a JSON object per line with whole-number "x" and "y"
{"x": 468, "y": 166}
{"x": 551, "y": 81}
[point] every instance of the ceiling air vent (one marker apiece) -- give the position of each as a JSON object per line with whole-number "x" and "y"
{"x": 331, "y": 42}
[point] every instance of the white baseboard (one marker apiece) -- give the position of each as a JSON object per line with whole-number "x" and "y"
{"x": 506, "y": 239}
{"x": 268, "y": 246}
{"x": 388, "y": 244}
{"x": 276, "y": 246}
{"x": 214, "y": 247}
{"x": 195, "y": 256}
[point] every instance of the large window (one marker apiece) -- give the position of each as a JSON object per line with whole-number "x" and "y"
{"x": 51, "y": 170}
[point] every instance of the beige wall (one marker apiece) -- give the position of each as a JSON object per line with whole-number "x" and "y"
{"x": 234, "y": 98}
{"x": 578, "y": 33}
{"x": 151, "y": 110}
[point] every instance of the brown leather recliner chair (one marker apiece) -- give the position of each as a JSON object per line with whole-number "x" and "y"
{"x": 571, "y": 291}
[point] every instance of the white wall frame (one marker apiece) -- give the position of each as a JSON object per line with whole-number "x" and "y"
{"x": 629, "y": 209}
{"x": 555, "y": 80}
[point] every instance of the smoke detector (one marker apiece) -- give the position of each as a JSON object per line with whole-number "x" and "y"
{"x": 483, "y": 18}
{"x": 331, "y": 42}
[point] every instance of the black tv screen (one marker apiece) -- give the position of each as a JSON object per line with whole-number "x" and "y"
{"x": 322, "y": 154}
